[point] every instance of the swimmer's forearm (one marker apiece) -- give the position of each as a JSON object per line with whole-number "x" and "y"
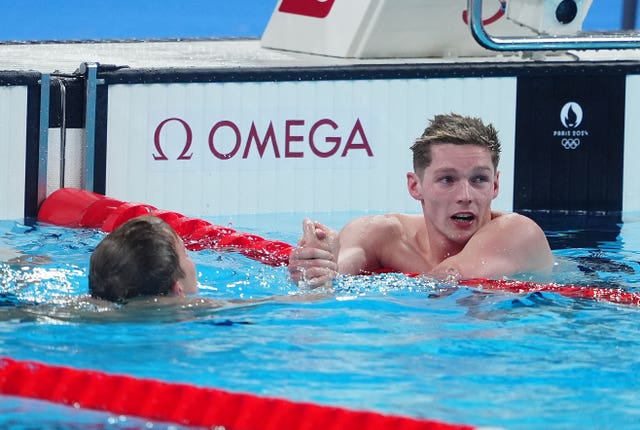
{"x": 351, "y": 261}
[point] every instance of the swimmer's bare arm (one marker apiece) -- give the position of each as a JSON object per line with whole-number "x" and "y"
{"x": 323, "y": 253}
{"x": 510, "y": 243}
{"x": 365, "y": 240}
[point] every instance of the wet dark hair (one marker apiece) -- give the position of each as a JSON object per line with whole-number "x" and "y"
{"x": 139, "y": 258}
{"x": 458, "y": 130}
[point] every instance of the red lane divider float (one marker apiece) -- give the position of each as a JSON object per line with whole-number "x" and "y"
{"x": 612, "y": 295}
{"x": 72, "y": 207}
{"x": 187, "y": 404}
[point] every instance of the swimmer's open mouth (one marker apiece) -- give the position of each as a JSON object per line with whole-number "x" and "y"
{"x": 465, "y": 217}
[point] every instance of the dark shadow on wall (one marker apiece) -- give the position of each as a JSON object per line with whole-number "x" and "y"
{"x": 571, "y": 230}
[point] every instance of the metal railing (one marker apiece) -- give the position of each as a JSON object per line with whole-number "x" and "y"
{"x": 583, "y": 41}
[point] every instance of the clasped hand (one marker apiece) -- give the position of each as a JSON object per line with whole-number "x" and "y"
{"x": 314, "y": 262}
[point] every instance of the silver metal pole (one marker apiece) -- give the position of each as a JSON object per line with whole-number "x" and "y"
{"x": 91, "y": 71}
{"x": 63, "y": 130}
{"x": 43, "y": 144}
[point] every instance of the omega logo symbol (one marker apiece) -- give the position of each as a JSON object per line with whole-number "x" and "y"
{"x": 571, "y": 115}
{"x": 296, "y": 138}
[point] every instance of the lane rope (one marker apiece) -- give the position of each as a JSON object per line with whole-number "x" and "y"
{"x": 187, "y": 404}
{"x": 71, "y": 207}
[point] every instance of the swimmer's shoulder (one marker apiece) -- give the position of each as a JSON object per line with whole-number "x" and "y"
{"x": 512, "y": 224}
{"x": 513, "y": 219}
{"x": 387, "y": 225}
{"x": 499, "y": 214}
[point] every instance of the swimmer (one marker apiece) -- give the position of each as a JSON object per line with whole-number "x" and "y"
{"x": 140, "y": 271}
{"x": 457, "y": 236}
{"x": 143, "y": 257}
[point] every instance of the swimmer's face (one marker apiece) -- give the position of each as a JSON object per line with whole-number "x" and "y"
{"x": 456, "y": 190}
{"x": 189, "y": 283}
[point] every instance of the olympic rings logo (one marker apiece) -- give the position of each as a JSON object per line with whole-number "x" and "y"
{"x": 570, "y": 143}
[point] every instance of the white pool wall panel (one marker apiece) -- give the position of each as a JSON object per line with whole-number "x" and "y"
{"x": 631, "y": 177}
{"x": 379, "y": 116}
{"x": 13, "y": 149}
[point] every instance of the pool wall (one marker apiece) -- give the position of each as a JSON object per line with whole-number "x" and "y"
{"x": 303, "y": 143}
{"x": 312, "y": 139}
{"x": 19, "y": 129}
{"x": 13, "y": 127}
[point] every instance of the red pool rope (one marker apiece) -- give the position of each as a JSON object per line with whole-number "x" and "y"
{"x": 187, "y": 404}
{"x": 72, "y": 207}
{"x": 612, "y": 295}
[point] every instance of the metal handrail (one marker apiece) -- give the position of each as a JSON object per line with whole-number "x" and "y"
{"x": 43, "y": 140}
{"x": 63, "y": 129}
{"x": 587, "y": 40}
{"x": 90, "y": 70}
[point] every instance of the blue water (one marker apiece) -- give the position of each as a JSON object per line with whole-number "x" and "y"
{"x": 386, "y": 343}
{"x": 126, "y": 19}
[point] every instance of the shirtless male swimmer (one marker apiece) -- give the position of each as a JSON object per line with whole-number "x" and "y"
{"x": 458, "y": 236}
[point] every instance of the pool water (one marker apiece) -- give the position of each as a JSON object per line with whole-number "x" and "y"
{"x": 387, "y": 343}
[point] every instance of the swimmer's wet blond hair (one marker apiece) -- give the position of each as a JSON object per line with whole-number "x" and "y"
{"x": 458, "y": 130}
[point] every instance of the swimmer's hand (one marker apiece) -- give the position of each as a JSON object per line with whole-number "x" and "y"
{"x": 313, "y": 263}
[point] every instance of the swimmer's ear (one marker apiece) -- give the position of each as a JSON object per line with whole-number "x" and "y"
{"x": 176, "y": 289}
{"x": 413, "y": 185}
